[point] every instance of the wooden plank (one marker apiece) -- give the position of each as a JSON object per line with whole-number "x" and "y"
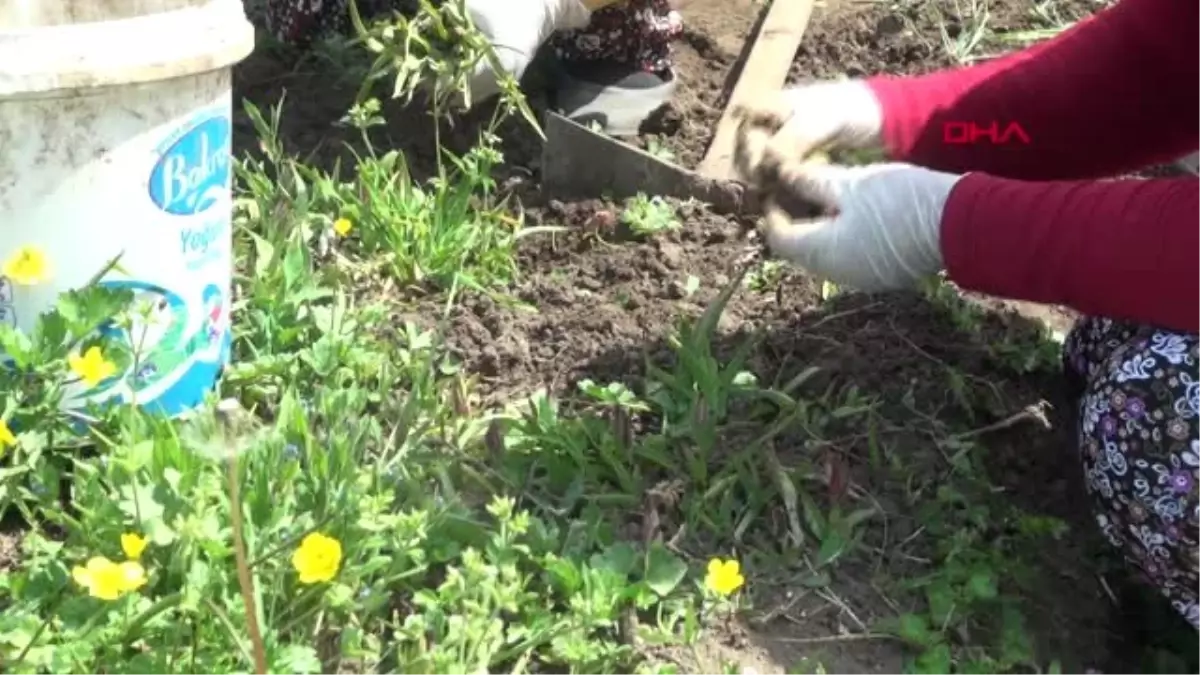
{"x": 764, "y": 72}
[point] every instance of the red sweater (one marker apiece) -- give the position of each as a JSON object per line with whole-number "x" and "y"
{"x": 1111, "y": 95}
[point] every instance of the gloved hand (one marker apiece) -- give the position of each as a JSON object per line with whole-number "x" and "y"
{"x": 804, "y": 120}
{"x": 882, "y": 231}
{"x": 516, "y": 29}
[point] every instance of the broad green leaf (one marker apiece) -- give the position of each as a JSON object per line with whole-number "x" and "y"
{"x": 664, "y": 570}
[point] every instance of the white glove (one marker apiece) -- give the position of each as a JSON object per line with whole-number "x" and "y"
{"x": 516, "y": 29}
{"x": 885, "y": 229}
{"x": 804, "y": 120}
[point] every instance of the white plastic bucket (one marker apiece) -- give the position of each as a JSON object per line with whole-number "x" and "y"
{"x": 115, "y": 139}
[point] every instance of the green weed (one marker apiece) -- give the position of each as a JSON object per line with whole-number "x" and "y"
{"x": 647, "y": 216}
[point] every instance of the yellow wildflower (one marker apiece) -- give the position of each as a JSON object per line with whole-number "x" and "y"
{"x": 724, "y": 576}
{"x": 342, "y": 226}
{"x": 28, "y": 266}
{"x": 107, "y": 580}
{"x": 6, "y": 435}
{"x": 92, "y": 367}
{"x": 133, "y": 544}
{"x": 317, "y": 559}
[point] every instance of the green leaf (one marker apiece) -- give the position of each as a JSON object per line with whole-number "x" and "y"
{"x": 295, "y": 265}
{"x": 159, "y": 532}
{"x": 935, "y": 660}
{"x": 264, "y": 256}
{"x": 619, "y": 558}
{"x": 297, "y": 659}
{"x": 138, "y": 502}
{"x": 832, "y": 547}
{"x": 982, "y": 585}
{"x": 941, "y": 598}
{"x": 564, "y": 575}
{"x": 819, "y": 579}
{"x": 136, "y": 456}
{"x": 812, "y": 515}
{"x": 68, "y": 307}
{"x": 16, "y": 345}
{"x": 1016, "y": 647}
{"x": 664, "y": 570}
{"x": 704, "y": 328}
{"x": 913, "y": 629}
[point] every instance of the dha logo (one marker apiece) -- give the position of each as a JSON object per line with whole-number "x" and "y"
{"x": 193, "y": 174}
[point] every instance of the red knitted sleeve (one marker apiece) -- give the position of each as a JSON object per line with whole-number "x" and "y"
{"x": 1113, "y": 94}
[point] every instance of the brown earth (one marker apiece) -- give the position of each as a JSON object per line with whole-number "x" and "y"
{"x": 604, "y": 307}
{"x": 708, "y": 62}
{"x": 604, "y": 304}
{"x": 10, "y": 549}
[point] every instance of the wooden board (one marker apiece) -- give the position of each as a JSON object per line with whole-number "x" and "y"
{"x": 764, "y": 71}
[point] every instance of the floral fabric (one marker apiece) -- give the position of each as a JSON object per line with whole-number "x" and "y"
{"x": 300, "y": 22}
{"x": 636, "y": 32}
{"x": 1140, "y": 445}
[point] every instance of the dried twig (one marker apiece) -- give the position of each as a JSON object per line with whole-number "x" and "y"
{"x": 1032, "y": 413}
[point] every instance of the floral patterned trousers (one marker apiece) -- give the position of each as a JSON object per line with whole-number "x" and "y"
{"x": 634, "y": 32}
{"x": 1140, "y": 446}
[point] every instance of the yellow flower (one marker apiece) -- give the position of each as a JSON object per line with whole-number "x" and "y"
{"x": 6, "y": 436}
{"x": 108, "y": 580}
{"x": 28, "y": 266}
{"x": 92, "y": 367}
{"x": 724, "y": 576}
{"x": 317, "y": 559}
{"x": 133, "y": 544}
{"x": 342, "y": 226}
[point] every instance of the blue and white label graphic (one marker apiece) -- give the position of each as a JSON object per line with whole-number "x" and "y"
{"x": 206, "y": 243}
{"x": 180, "y": 348}
{"x": 194, "y": 171}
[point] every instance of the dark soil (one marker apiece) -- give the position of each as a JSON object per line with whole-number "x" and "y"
{"x": 860, "y": 39}
{"x": 605, "y": 304}
{"x": 595, "y": 298}
{"x": 604, "y": 309}
{"x": 708, "y": 63}
{"x": 10, "y": 550}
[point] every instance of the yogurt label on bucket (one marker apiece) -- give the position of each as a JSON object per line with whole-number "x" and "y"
{"x": 131, "y": 162}
{"x": 177, "y": 263}
{"x": 193, "y": 172}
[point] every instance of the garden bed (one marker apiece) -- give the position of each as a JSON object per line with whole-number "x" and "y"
{"x": 894, "y": 473}
{"x": 951, "y": 389}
